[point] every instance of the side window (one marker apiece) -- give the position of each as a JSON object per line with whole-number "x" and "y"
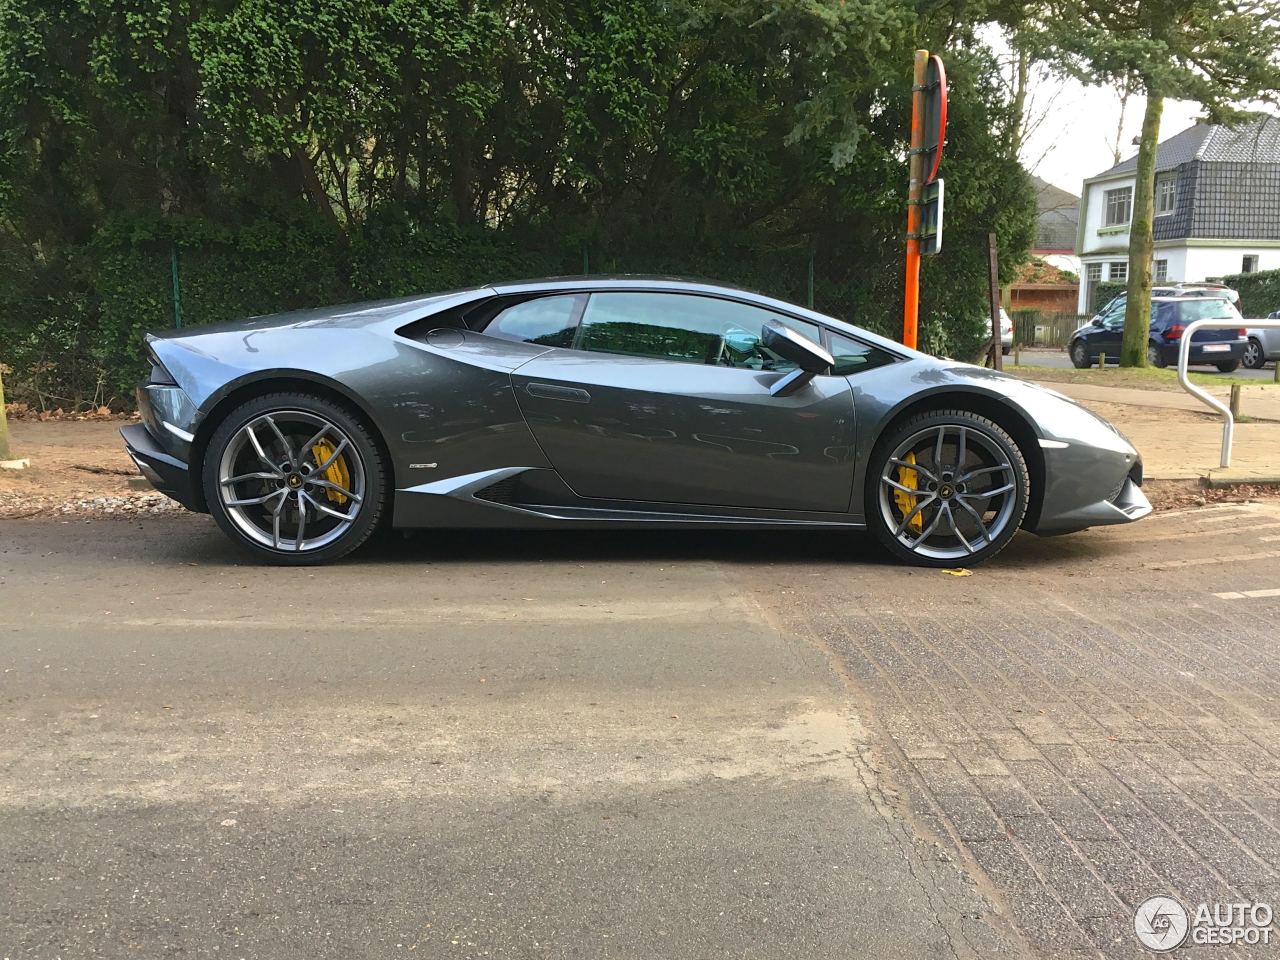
{"x": 550, "y": 321}
{"x": 684, "y": 328}
{"x": 854, "y": 357}
{"x": 1115, "y": 312}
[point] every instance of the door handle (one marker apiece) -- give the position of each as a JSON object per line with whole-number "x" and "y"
{"x": 553, "y": 391}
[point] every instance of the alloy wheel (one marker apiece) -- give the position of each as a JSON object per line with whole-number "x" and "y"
{"x": 947, "y": 492}
{"x": 1253, "y": 355}
{"x": 291, "y": 480}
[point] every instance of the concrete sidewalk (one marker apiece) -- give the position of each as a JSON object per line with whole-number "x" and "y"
{"x": 1176, "y": 436}
{"x": 1259, "y": 403}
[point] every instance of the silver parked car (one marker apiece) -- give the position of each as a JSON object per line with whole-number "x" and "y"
{"x": 1263, "y": 345}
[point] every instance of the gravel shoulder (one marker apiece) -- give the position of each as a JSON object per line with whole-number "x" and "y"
{"x": 77, "y": 467}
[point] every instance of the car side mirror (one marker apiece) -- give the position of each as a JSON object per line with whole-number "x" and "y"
{"x": 1096, "y": 322}
{"x": 810, "y": 359}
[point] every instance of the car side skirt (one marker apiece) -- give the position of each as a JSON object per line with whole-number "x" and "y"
{"x": 533, "y": 497}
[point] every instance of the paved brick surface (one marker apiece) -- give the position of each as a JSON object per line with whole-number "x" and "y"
{"x": 1085, "y": 726}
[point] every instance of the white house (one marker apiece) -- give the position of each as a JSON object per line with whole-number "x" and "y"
{"x": 1217, "y": 208}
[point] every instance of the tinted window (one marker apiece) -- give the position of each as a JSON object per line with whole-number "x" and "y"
{"x": 689, "y": 329}
{"x": 854, "y": 357}
{"x": 550, "y": 321}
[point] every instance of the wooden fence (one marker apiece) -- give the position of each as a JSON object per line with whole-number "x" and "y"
{"x": 1032, "y": 328}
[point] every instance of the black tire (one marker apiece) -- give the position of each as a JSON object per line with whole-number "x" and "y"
{"x": 1228, "y": 366}
{"x": 1079, "y": 355}
{"x": 1254, "y": 357}
{"x": 901, "y": 433}
{"x": 367, "y": 513}
{"x": 1006, "y": 350}
{"x": 1154, "y": 356}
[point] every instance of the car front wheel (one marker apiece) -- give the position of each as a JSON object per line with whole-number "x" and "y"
{"x": 1079, "y": 354}
{"x": 946, "y": 488}
{"x": 1254, "y": 358}
{"x": 294, "y": 479}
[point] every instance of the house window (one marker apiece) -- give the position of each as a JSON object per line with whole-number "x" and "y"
{"x": 1249, "y": 264}
{"x": 1166, "y": 196}
{"x": 1093, "y": 271}
{"x": 1119, "y": 204}
{"x": 1162, "y": 270}
{"x": 1119, "y": 270}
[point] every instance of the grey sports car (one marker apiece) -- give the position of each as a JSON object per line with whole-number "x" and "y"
{"x": 610, "y": 401}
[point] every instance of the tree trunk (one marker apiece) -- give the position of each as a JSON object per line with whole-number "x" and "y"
{"x": 1022, "y": 69}
{"x": 312, "y": 186}
{"x": 1125, "y": 93}
{"x": 4, "y": 425}
{"x": 1137, "y": 310}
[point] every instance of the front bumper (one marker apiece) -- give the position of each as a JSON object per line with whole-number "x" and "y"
{"x": 166, "y": 472}
{"x": 1128, "y": 504}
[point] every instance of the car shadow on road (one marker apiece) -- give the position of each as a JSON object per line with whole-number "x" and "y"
{"x": 845, "y": 548}
{"x": 197, "y": 541}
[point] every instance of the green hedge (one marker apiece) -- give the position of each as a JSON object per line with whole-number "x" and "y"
{"x": 1259, "y": 292}
{"x": 1107, "y": 291}
{"x": 71, "y": 326}
{"x": 71, "y": 330}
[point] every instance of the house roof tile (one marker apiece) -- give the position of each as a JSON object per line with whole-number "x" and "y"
{"x": 1256, "y": 141}
{"x": 1058, "y": 216}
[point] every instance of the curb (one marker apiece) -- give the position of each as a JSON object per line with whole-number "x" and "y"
{"x": 1227, "y": 477}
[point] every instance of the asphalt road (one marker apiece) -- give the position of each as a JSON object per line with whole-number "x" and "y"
{"x": 630, "y": 745}
{"x": 1059, "y": 360}
{"x": 466, "y": 745}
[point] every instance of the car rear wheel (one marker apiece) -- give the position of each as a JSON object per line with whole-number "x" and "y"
{"x": 294, "y": 479}
{"x": 1079, "y": 354}
{"x": 1254, "y": 358}
{"x": 946, "y": 488}
{"x": 1228, "y": 366}
{"x": 1155, "y": 357}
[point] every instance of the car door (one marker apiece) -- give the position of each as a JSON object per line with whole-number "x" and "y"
{"x": 664, "y": 397}
{"x": 1106, "y": 338}
{"x": 1270, "y": 341}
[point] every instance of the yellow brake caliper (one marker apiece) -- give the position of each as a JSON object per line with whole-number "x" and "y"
{"x": 338, "y": 472}
{"x": 907, "y": 501}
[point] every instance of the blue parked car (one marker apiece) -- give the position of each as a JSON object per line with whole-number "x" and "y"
{"x": 1170, "y": 316}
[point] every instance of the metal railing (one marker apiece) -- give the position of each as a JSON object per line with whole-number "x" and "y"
{"x": 1184, "y": 352}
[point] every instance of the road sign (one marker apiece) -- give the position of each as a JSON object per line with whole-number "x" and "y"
{"x": 931, "y": 219}
{"x": 935, "y": 116}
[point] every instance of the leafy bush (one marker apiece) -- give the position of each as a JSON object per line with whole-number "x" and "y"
{"x": 1259, "y": 292}
{"x": 305, "y": 153}
{"x": 1106, "y": 291}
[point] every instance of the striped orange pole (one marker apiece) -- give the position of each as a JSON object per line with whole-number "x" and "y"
{"x": 915, "y": 192}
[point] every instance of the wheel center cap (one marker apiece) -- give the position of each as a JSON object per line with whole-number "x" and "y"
{"x": 294, "y": 481}
{"x": 946, "y": 491}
